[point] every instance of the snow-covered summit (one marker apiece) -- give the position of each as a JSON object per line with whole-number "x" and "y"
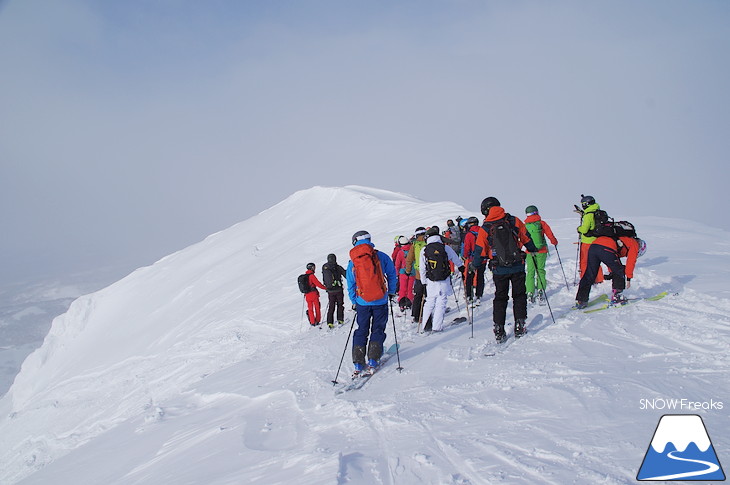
{"x": 198, "y": 369}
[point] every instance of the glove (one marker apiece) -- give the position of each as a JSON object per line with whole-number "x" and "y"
{"x": 402, "y": 271}
{"x": 391, "y": 296}
{"x": 461, "y": 269}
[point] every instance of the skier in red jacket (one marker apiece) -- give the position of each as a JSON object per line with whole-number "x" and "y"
{"x": 313, "y": 307}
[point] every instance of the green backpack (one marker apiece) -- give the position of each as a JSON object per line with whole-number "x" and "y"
{"x": 535, "y": 231}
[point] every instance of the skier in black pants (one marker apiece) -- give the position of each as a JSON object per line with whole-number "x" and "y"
{"x": 500, "y": 240}
{"x": 332, "y": 274}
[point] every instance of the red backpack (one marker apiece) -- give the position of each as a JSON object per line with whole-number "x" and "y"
{"x": 368, "y": 273}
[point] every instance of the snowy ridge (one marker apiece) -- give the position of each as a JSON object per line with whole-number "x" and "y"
{"x": 182, "y": 372}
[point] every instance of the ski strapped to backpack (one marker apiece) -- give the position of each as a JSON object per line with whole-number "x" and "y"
{"x": 437, "y": 261}
{"x": 606, "y": 226}
{"x": 503, "y": 238}
{"x": 369, "y": 276}
{"x": 303, "y": 282}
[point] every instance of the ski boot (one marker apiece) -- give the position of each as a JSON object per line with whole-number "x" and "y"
{"x": 531, "y": 298}
{"x": 520, "y": 329}
{"x": 331, "y": 324}
{"x": 617, "y": 298}
{"x": 541, "y": 297}
{"x": 499, "y": 334}
{"x": 359, "y": 368}
{"x": 579, "y": 305}
{"x": 372, "y": 366}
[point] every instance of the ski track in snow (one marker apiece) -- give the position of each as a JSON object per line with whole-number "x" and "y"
{"x": 248, "y": 397}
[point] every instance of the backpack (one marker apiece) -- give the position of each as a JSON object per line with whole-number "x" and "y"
{"x": 437, "y": 262}
{"x": 536, "y": 233}
{"x": 369, "y": 277}
{"x": 331, "y": 277}
{"x": 303, "y": 282}
{"x": 502, "y": 237}
{"x": 606, "y": 226}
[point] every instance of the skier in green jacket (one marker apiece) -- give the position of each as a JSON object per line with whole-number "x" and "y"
{"x": 539, "y": 230}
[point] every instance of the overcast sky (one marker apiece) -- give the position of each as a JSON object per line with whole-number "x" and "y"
{"x": 131, "y": 129}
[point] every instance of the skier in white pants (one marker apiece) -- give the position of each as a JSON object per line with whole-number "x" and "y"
{"x": 435, "y": 259}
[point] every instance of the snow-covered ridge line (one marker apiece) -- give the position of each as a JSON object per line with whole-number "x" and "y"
{"x": 199, "y": 368}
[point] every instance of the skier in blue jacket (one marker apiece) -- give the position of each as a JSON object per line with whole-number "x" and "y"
{"x": 367, "y": 276}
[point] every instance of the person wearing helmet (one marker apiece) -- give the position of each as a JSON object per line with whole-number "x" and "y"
{"x": 473, "y": 277}
{"x": 332, "y": 274}
{"x": 587, "y": 224}
{"x": 312, "y": 298}
{"x": 437, "y": 263}
{"x": 405, "y": 281}
{"x": 371, "y": 280}
{"x": 453, "y": 236}
{"x": 499, "y": 240}
{"x": 539, "y": 230}
{"x": 412, "y": 269}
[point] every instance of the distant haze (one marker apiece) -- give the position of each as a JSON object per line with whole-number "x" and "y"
{"x": 129, "y": 130}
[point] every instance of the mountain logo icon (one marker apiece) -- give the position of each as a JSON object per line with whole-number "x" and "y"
{"x": 680, "y": 450}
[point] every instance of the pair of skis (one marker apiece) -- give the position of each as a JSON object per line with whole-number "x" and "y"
{"x": 608, "y": 304}
{"x": 360, "y": 380}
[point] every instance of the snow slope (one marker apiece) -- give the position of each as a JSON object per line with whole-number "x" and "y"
{"x": 198, "y": 369}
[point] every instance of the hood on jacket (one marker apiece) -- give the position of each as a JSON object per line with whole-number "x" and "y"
{"x": 364, "y": 241}
{"x": 496, "y": 213}
{"x": 533, "y": 218}
{"x": 592, "y": 208}
{"x": 434, "y": 239}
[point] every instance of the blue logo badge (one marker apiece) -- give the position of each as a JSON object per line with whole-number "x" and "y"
{"x": 681, "y": 450}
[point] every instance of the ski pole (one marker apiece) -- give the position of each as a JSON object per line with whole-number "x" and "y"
{"x": 301, "y": 319}
{"x": 395, "y": 337}
{"x": 334, "y": 381}
{"x": 577, "y": 260}
{"x": 456, "y": 299}
{"x": 544, "y": 284}
{"x": 466, "y": 298}
{"x": 561, "y": 267}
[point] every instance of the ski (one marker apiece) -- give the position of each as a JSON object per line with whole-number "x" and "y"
{"x": 359, "y": 381}
{"x": 502, "y": 346}
{"x": 628, "y": 301}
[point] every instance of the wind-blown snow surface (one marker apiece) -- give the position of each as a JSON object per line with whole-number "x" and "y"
{"x": 199, "y": 370}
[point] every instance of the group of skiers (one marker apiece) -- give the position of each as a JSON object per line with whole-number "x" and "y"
{"x": 418, "y": 273}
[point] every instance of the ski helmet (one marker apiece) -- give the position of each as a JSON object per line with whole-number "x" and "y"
{"x": 586, "y": 200}
{"x": 310, "y": 266}
{"x": 403, "y": 240}
{"x": 472, "y": 221}
{"x": 433, "y": 231}
{"x": 642, "y": 247}
{"x": 359, "y": 236}
{"x": 488, "y": 203}
{"x": 531, "y": 209}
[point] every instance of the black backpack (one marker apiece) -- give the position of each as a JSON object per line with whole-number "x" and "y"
{"x": 437, "y": 261}
{"x": 331, "y": 276}
{"x": 606, "y": 226}
{"x": 503, "y": 237}
{"x": 303, "y": 282}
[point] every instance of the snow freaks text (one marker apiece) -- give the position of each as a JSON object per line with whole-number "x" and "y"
{"x": 663, "y": 404}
